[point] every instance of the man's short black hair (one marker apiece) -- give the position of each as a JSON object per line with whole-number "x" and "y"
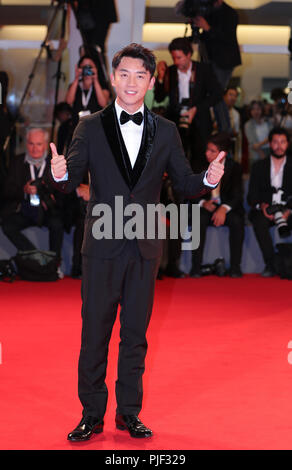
{"x": 230, "y": 88}
{"x": 279, "y": 131}
{"x": 222, "y": 140}
{"x": 62, "y": 107}
{"x": 136, "y": 51}
{"x": 181, "y": 44}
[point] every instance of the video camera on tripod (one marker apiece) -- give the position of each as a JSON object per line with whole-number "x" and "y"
{"x": 192, "y": 8}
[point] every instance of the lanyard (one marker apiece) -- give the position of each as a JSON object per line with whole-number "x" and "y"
{"x": 32, "y": 172}
{"x": 85, "y": 98}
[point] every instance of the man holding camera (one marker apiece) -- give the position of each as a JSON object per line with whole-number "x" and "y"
{"x": 192, "y": 89}
{"x": 28, "y": 200}
{"x": 270, "y": 188}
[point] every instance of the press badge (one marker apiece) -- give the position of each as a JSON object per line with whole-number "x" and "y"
{"x": 34, "y": 200}
{"x": 83, "y": 113}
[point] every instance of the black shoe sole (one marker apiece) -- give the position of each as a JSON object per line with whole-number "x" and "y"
{"x": 97, "y": 431}
{"x": 124, "y": 428}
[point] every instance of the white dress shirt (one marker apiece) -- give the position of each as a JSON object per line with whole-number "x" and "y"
{"x": 277, "y": 179}
{"x": 184, "y": 83}
{"x": 131, "y": 132}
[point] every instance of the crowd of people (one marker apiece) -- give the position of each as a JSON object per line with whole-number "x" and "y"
{"x": 195, "y": 95}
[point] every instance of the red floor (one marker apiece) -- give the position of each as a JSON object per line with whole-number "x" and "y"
{"x": 218, "y": 375}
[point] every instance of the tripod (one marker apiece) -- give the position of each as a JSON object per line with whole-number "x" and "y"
{"x": 62, "y": 5}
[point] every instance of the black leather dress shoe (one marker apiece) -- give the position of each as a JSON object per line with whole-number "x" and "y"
{"x": 174, "y": 272}
{"x": 195, "y": 273}
{"x": 268, "y": 272}
{"x": 133, "y": 424}
{"x": 235, "y": 272}
{"x": 87, "y": 426}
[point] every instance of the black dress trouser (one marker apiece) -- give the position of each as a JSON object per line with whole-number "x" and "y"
{"x": 261, "y": 226}
{"x": 127, "y": 280}
{"x": 15, "y": 223}
{"x": 235, "y": 224}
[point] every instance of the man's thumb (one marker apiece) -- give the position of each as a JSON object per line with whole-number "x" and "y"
{"x": 54, "y": 150}
{"x": 220, "y": 157}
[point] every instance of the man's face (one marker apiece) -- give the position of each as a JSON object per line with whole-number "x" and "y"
{"x": 218, "y": 3}
{"x": 230, "y": 98}
{"x": 212, "y": 152}
{"x": 181, "y": 60}
{"x": 36, "y": 144}
{"x": 131, "y": 81}
{"x": 279, "y": 145}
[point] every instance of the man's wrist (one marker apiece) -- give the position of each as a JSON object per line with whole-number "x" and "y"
{"x": 206, "y": 182}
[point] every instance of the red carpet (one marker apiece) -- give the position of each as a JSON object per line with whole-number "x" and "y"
{"x": 217, "y": 376}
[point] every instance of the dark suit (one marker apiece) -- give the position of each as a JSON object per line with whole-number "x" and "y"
{"x": 205, "y": 92}
{"x": 101, "y": 14}
{"x": 231, "y": 195}
{"x": 260, "y": 190}
{"x": 120, "y": 271}
{"x": 221, "y": 41}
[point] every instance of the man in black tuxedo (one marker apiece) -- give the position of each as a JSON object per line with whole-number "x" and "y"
{"x": 222, "y": 206}
{"x": 127, "y": 156}
{"x": 270, "y": 183}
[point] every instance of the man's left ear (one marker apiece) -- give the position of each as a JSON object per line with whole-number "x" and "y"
{"x": 112, "y": 77}
{"x": 151, "y": 84}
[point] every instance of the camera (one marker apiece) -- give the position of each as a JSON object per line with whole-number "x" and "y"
{"x": 218, "y": 268}
{"x": 281, "y": 106}
{"x": 277, "y": 211}
{"x": 193, "y": 8}
{"x": 44, "y": 195}
{"x": 87, "y": 71}
{"x": 183, "y": 122}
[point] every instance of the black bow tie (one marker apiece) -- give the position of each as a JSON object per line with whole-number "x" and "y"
{"x": 136, "y": 118}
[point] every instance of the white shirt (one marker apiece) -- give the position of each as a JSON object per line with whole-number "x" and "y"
{"x": 277, "y": 178}
{"x": 184, "y": 83}
{"x": 131, "y": 132}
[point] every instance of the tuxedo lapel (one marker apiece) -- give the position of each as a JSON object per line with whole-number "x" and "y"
{"x": 118, "y": 148}
{"x": 115, "y": 141}
{"x": 146, "y": 147}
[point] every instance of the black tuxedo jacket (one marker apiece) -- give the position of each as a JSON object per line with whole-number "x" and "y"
{"x": 98, "y": 145}
{"x": 205, "y": 92}
{"x": 260, "y": 188}
{"x": 231, "y": 189}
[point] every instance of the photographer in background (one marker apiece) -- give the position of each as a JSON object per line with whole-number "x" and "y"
{"x": 94, "y": 19}
{"x": 222, "y": 206}
{"x": 29, "y": 200}
{"x": 192, "y": 89}
{"x": 89, "y": 92}
{"x": 219, "y": 36}
{"x": 271, "y": 183}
